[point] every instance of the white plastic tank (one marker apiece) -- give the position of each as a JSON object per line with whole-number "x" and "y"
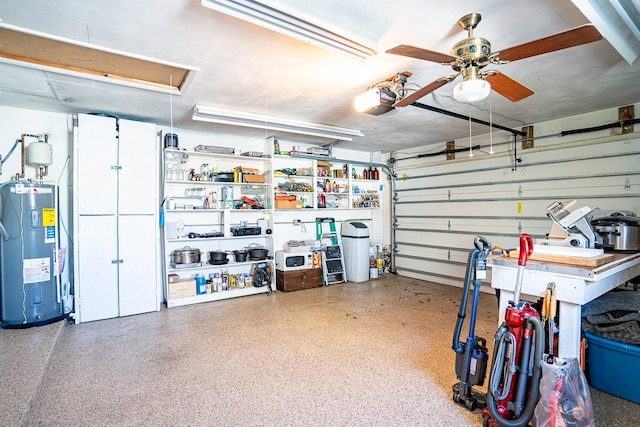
{"x": 355, "y": 248}
{"x": 40, "y": 154}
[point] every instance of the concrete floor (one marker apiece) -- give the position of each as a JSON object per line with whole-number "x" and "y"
{"x": 356, "y": 354}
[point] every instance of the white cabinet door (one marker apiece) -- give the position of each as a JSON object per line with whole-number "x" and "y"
{"x": 116, "y": 174}
{"x": 98, "y": 273}
{"x": 138, "y": 176}
{"x": 96, "y": 154}
{"x": 138, "y": 281}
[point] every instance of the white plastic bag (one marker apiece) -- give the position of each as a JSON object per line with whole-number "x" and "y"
{"x": 565, "y": 400}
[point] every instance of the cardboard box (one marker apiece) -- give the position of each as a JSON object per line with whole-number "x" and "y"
{"x": 182, "y": 289}
{"x": 260, "y": 179}
{"x": 324, "y": 169}
{"x": 288, "y": 204}
{"x": 248, "y": 170}
{"x": 251, "y": 175}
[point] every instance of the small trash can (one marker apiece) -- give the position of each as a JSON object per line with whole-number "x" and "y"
{"x": 355, "y": 248}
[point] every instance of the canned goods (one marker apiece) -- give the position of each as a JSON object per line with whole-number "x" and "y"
{"x": 215, "y": 281}
{"x": 224, "y": 282}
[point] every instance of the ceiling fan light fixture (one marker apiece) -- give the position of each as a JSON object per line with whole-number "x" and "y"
{"x": 472, "y": 90}
{"x": 376, "y": 101}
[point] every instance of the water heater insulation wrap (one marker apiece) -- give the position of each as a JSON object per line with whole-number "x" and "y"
{"x": 40, "y": 154}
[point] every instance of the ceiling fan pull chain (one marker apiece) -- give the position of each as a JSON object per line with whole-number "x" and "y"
{"x": 490, "y": 127}
{"x": 470, "y": 141}
{"x": 171, "y": 102}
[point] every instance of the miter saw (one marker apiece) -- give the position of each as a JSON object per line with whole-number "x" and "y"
{"x": 571, "y": 228}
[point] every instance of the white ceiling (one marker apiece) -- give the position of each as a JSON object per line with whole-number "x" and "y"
{"x": 245, "y": 67}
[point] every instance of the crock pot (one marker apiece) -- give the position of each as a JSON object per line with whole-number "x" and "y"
{"x": 217, "y": 256}
{"x": 170, "y": 140}
{"x": 619, "y": 233}
{"x": 257, "y": 252}
{"x": 186, "y": 255}
{"x": 240, "y": 255}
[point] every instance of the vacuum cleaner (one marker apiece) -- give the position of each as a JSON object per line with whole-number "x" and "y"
{"x": 516, "y": 369}
{"x": 472, "y": 355}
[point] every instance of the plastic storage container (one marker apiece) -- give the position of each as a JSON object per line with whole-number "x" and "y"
{"x": 355, "y": 248}
{"x": 614, "y": 367}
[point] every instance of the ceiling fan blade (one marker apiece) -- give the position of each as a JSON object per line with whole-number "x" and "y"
{"x": 410, "y": 99}
{"x": 507, "y": 87}
{"x": 419, "y": 53}
{"x": 570, "y": 38}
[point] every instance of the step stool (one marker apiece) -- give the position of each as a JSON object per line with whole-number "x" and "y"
{"x": 332, "y": 258}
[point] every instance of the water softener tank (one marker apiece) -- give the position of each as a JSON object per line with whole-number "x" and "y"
{"x": 355, "y": 242}
{"x": 29, "y": 291}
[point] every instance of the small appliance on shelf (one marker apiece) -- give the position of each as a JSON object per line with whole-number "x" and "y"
{"x": 245, "y": 230}
{"x": 214, "y": 149}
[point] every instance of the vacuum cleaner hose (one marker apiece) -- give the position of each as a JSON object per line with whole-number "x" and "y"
{"x": 504, "y": 340}
{"x": 458, "y": 346}
{"x": 532, "y": 399}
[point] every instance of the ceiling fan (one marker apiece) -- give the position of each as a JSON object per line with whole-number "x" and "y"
{"x": 470, "y": 56}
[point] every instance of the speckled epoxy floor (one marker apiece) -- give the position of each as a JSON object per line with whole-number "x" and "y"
{"x": 374, "y": 353}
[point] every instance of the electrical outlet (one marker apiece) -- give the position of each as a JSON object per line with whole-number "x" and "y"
{"x": 296, "y": 222}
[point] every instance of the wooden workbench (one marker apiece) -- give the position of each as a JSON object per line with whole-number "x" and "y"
{"x": 576, "y": 284}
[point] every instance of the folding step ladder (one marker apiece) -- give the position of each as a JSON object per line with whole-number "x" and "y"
{"x": 332, "y": 259}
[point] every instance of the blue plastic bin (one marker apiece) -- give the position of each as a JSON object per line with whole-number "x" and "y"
{"x": 614, "y": 367}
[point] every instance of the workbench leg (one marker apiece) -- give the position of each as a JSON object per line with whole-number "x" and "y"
{"x": 570, "y": 326}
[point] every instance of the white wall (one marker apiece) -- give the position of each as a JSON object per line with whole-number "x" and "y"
{"x": 443, "y": 205}
{"x": 15, "y": 121}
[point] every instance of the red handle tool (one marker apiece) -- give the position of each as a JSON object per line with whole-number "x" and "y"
{"x": 526, "y": 248}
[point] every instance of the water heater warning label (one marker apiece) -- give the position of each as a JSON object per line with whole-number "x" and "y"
{"x": 36, "y": 270}
{"x": 48, "y": 217}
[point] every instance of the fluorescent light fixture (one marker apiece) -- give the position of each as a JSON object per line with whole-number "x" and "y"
{"x": 618, "y": 21}
{"x": 376, "y": 101}
{"x": 259, "y": 13}
{"x": 261, "y": 121}
{"x": 471, "y": 90}
{"x": 40, "y": 51}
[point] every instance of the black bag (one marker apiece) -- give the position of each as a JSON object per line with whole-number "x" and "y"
{"x": 262, "y": 275}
